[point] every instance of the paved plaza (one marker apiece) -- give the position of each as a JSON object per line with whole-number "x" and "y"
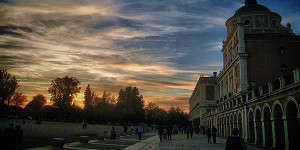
{"x": 151, "y": 141}
{"x": 180, "y": 142}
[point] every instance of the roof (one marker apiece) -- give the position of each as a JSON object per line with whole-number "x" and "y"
{"x": 252, "y": 8}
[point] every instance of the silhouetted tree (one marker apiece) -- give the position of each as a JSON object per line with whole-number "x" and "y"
{"x": 177, "y": 116}
{"x": 88, "y": 98}
{"x": 154, "y": 114}
{"x": 76, "y": 112}
{"x": 18, "y": 99}
{"x": 63, "y": 91}
{"x": 130, "y": 105}
{"x": 8, "y": 86}
{"x": 49, "y": 112}
{"x": 35, "y": 107}
{"x": 107, "y": 98}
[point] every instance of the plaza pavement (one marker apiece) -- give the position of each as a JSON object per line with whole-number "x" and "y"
{"x": 150, "y": 141}
{"x": 181, "y": 142}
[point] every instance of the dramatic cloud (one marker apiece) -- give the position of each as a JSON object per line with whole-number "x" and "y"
{"x": 160, "y": 46}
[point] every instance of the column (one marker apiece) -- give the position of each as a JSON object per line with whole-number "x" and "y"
{"x": 263, "y": 132}
{"x": 273, "y": 132}
{"x": 286, "y": 133}
{"x": 245, "y": 124}
{"x": 261, "y": 92}
{"x": 255, "y": 136}
{"x": 253, "y": 94}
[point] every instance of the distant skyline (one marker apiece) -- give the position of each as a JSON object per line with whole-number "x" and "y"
{"x": 160, "y": 46}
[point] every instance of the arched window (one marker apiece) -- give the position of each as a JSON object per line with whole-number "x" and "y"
{"x": 284, "y": 69}
{"x": 282, "y": 51}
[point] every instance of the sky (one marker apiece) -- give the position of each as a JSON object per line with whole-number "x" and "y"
{"x": 160, "y": 46}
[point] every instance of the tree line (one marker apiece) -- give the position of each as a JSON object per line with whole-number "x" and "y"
{"x": 128, "y": 107}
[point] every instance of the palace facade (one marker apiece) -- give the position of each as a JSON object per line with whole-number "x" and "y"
{"x": 258, "y": 90}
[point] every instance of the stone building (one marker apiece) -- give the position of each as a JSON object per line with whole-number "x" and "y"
{"x": 203, "y": 98}
{"x": 258, "y": 90}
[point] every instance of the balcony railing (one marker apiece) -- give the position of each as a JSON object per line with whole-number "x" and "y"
{"x": 278, "y": 84}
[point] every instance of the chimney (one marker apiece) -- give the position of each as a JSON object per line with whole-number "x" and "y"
{"x": 215, "y": 74}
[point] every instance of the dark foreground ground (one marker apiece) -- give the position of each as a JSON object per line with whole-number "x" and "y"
{"x": 41, "y": 135}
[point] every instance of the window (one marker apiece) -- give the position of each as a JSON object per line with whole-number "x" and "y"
{"x": 247, "y": 22}
{"x": 210, "y": 92}
{"x": 252, "y": 85}
{"x": 284, "y": 69}
{"x": 282, "y": 51}
{"x": 273, "y": 22}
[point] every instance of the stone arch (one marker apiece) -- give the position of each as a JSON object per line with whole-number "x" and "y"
{"x": 266, "y": 114}
{"x": 264, "y": 107}
{"x": 288, "y": 99}
{"x": 292, "y": 113}
{"x": 255, "y": 110}
{"x": 258, "y": 124}
{"x": 276, "y": 102}
{"x": 235, "y": 120}
{"x": 277, "y": 112}
{"x": 251, "y": 138}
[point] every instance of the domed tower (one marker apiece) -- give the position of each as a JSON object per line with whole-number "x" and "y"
{"x": 258, "y": 49}
{"x": 255, "y": 18}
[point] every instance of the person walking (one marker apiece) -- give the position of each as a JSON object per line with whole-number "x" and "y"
{"x": 187, "y": 132}
{"x": 235, "y": 142}
{"x": 160, "y": 132}
{"x": 113, "y": 132}
{"x": 140, "y": 130}
{"x": 18, "y": 137}
{"x": 214, "y": 134}
{"x": 191, "y": 131}
{"x": 169, "y": 132}
{"x": 208, "y": 134}
{"x": 9, "y": 136}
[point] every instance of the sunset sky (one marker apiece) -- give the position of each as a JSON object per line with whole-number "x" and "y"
{"x": 159, "y": 46}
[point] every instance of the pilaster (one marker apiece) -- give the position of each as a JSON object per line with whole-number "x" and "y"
{"x": 282, "y": 82}
{"x": 270, "y": 86}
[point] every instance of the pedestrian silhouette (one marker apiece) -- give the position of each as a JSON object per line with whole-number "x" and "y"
{"x": 191, "y": 131}
{"x": 140, "y": 130}
{"x": 9, "y": 136}
{"x": 160, "y": 132}
{"x": 113, "y": 133}
{"x": 235, "y": 142}
{"x": 18, "y": 137}
{"x": 214, "y": 134}
{"x": 208, "y": 134}
{"x": 187, "y": 132}
{"x": 169, "y": 132}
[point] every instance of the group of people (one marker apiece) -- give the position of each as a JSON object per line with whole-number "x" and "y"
{"x": 164, "y": 132}
{"x": 234, "y": 142}
{"x": 211, "y": 132}
{"x": 13, "y": 136}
